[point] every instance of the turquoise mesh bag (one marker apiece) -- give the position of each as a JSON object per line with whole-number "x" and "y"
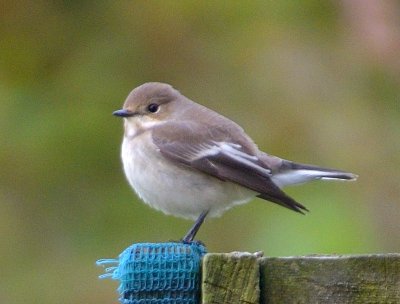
{"x": 157, "y": 273}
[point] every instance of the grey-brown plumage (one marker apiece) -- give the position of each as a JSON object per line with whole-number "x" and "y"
{"x": 189, "y": 161}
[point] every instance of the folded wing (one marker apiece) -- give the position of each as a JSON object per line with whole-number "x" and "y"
{"x": 213, "y": 151}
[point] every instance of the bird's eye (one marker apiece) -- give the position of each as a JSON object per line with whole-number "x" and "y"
{"x": 153, "y": 107}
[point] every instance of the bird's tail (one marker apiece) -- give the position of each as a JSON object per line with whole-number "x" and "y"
{"x": 291, "y": 173}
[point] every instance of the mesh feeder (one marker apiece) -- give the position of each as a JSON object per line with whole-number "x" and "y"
{"x": 157, "y": 273}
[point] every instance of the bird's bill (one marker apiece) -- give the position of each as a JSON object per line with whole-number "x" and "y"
{"x": 123, "y": 113}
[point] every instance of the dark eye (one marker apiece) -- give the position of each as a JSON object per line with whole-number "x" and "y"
{"x": 153, "y": 107}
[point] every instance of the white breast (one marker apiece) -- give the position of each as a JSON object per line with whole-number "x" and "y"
{"x": 173, "y": 188}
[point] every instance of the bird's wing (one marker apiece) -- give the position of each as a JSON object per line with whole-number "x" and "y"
{"x": 212, "y": 150}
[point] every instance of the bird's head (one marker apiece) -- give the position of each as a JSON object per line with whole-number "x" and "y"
{"x": 150, "y": 104}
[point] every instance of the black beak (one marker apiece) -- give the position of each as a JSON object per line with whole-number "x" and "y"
{"x": 123, "y": 113}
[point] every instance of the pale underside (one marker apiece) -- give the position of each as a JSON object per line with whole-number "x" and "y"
{"x": 176, "y": 189}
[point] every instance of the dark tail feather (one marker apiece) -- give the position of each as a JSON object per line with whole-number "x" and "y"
{"x": 325, "y": 172}
{"x": 291, "y": 173}
{"x": 277, "y": 196}
{"x": 294, "y": 173}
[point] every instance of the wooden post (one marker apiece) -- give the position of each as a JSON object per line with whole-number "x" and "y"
{"x": 234, "y": 278}
{"x": 332, "y": 279}
{"x": 231, "y": 278}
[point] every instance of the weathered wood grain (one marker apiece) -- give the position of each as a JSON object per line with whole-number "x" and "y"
{"x": 346, "y": 279}
{"x": 230, "y": 278}
{"x": 355, "y": 279}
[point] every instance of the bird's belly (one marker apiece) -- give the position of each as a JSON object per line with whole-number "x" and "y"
{"x": 177, "y": 189}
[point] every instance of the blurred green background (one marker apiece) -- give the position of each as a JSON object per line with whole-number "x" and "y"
{"x": 311, "y": 81}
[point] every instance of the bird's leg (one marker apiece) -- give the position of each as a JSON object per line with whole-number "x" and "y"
{"x": 188, "y": 238}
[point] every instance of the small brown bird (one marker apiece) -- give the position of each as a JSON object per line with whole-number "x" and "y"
{"x": 189, "y": 161}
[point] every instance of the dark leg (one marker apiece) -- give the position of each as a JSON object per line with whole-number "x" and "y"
{"x": 188, "y": 238}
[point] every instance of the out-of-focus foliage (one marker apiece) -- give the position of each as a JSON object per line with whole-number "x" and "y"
{"x": 310, "y": 81}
